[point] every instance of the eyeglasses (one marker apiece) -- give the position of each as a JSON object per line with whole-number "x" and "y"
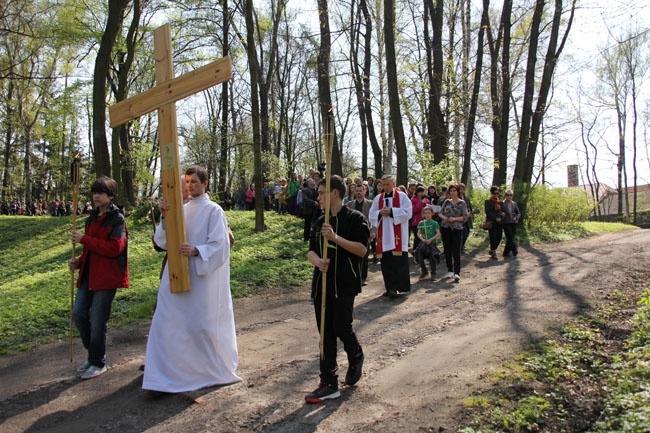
{"x": 508, "y": 195}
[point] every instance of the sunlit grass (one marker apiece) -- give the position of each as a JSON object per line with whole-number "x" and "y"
{"x": 35, "y": 281}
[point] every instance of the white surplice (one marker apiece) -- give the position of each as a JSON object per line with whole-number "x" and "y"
{"x": 192, "y": 342}
{"x": 401, "y": 217}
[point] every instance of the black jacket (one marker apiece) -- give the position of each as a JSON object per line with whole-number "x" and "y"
{"x": 344, "y": 273}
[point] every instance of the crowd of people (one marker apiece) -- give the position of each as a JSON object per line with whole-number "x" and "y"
{"x": 450, "y": 207}
{"x": 40, "y": 207}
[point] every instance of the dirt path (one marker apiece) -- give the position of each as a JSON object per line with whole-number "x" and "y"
{"x": 425, "y": 352}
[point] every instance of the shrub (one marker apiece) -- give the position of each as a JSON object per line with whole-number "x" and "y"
{"x": 557, "y": 206}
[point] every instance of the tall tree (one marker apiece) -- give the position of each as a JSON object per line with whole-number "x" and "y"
{"x": 500, "y": 92}
{"x": 393, "y": 94}
{"x": 225, "y": 100}
{"x": 531, "y": 120}
{"x": 324, "y": 91}
{"x": 103, "y": 60}
{"x": 255, "y": 116}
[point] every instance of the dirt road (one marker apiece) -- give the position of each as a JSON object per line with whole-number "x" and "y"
{"x": 425, "y": 352}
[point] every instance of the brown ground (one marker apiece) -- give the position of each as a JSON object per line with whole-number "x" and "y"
{"x": 425, "y": 352}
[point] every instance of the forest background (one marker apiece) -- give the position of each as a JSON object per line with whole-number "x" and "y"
{"x": 503, "y": 93}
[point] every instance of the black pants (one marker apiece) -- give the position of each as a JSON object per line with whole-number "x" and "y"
{"x": 306, "y": 226}
{"x": 496, "y": 233}
{"x": 511, "y": 246}
{"x": 452, "y": 240}
{"x": 338, "y": 324}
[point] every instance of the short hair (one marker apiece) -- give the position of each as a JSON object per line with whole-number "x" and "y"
{"x": 104, "y": 184}
{"x": 387, "y": 176}
{"x": 336, "y": 183}
{"x": 199, "y": 171}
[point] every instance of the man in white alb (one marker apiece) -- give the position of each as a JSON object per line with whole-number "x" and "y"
{"x": 192, "y": 342}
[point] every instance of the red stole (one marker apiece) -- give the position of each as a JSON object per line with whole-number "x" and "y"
{"x": 397, "y": 228}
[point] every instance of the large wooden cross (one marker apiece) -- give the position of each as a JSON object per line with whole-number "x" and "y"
{"x": 168, "y": 90}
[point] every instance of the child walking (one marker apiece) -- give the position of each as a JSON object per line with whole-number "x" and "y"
{"x": 428, "y": 232}
{"x": 103, "y": 268}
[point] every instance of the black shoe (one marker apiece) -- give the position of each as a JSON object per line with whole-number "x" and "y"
{"x": 322, "y": 393}
{"x": 354, "y": 372}
{"x": 392, "y": 294}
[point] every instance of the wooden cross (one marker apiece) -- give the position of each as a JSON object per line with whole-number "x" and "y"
{"x": 168, "y": 90}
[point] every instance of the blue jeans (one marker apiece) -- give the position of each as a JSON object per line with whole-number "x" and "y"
{"x": 90, "y": 314}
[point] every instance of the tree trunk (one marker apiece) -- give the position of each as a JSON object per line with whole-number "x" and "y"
{"x": 255, "y": 114}
{"x": 478, "y": 72}
{"x": 223, "y": 148}
{"x": 100, "y": 77}
{"x": 393, "y": 94}
{"x": 501, "y": 99}
{"x": 324, "y": 92}
{"x": 367, "y": 95}
{"x": 437, "y": 127}
{"x": 531, "y": 121}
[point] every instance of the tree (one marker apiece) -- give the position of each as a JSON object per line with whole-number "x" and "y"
{"x": 324, "y": 91}
{"x": 255, "y": 116}
{"x": 531, "y": 121}
{"x": 103, "y": 59}
{"x": 393, "y": 94}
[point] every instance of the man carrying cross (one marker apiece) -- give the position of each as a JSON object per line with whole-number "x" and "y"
{"x": 390, "y": 213}
{"x": 192, "y": 342}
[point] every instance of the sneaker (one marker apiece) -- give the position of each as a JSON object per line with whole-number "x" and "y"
{"x": 93, "y": 371}
{"x": 450, "y": 275}
{"x": 354, "y": 372}
{"x": 83, "y": 367}
{"x": 322, "y": 393}
{"x": 456, "y": 278}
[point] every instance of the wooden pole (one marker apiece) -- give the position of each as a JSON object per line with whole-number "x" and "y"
{"x": 74, "y": 178}
{"x": 329, "y": 138}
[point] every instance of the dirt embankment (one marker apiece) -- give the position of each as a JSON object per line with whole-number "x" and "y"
{"x": 425, "y": 352}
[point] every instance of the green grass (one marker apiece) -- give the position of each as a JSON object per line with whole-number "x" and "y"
{"x": 35, "y": 281}
{"x": 582, "y": 379}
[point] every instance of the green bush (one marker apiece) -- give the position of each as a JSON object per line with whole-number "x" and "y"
{"x": 557, "y": 206}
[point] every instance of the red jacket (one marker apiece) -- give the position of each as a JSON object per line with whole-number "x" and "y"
{"x": 105, "y": 250}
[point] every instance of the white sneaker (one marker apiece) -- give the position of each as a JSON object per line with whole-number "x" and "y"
{"x": 83, "y": 367}
{"x": 450, "y": 275}
{"x": 93, "y": 371}
{"x": 456, "y": 277}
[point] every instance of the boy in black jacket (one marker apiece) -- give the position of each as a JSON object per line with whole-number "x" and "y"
{"x": 346, "y": 236}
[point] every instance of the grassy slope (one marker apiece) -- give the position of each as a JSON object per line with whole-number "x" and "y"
{"x": 35, "y": 281}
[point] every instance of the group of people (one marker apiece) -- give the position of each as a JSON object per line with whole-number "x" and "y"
{"x": 501, "y": 217}
{"x": 192, "y": 342}
{"x": 38, "y": 207}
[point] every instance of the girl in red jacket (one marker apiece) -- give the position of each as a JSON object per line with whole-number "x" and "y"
{"x": 103, "y": 268}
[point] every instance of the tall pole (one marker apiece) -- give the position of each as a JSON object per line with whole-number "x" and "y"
{"x": 329, "y": 139}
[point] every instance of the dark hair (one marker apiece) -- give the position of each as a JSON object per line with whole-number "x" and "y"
{"x": 199, "y": 171}
{"x": 336, "y": 183}
{"x": 495, "y": 190}
{"x": 419, "y": 189}
{"x": 454, "y": 186}
{"x": 104, "y": 184}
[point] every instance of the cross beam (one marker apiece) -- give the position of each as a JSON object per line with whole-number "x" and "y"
{"x": 168, "y": 90}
